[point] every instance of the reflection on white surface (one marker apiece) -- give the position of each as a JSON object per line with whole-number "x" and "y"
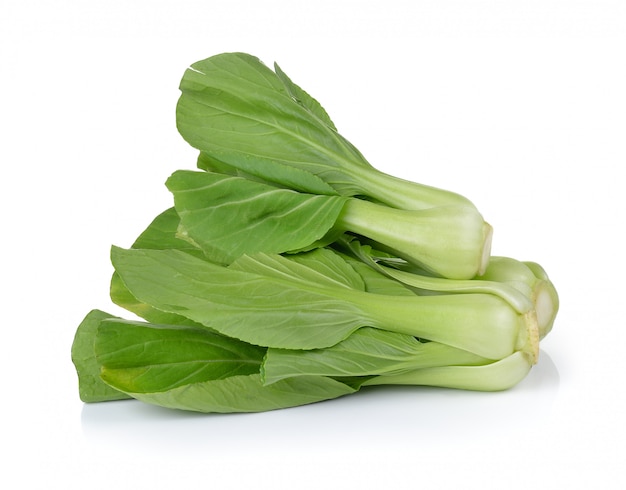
{"x": 394, "y": 414}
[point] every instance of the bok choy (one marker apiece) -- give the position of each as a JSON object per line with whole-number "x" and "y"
{"x": 290, "y": 271}
{"x": 257, "y": 122}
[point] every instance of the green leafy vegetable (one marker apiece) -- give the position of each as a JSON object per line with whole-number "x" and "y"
{"x": 302, "y": 314}
{"x": 240, "y": 112}
{"x": 290, "y": 271}
{"x": 220, "y": 212}
{"x": 246, "y": 117}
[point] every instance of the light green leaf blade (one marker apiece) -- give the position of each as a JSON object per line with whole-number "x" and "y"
{"x": 228, "y": 216}
{"x": 209, "y": 163}
{"x": 257, "y": 309}
{"x": 303, "y": 98}
{"x": 140, "y": 357}
{"x": 237, "y": 110}
{"x": 121, "y": 296}
{"x": 275, "y": 174}
{"x": 91, "y": 388}
{"x": 161, "y": 234}
{"x": 366, "y": 352}
{"x": 191, "y": 368}
{"x": 314, "y": 268}
{"x": 247, "y": 394}
{"x": 375, "y": 282}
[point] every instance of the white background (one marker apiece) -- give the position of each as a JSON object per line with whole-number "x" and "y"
{"x": 518, "y": 105}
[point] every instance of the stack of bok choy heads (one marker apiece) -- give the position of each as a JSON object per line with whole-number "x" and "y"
{"x": 290, "y": 271}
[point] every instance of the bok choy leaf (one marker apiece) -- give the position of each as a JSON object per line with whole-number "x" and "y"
{"x": 221, "y": 214}
{"x": 194, "y": 369}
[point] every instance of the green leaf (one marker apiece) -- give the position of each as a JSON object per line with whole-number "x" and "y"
{"x": 374, "y": 281}
{"x": 228, "y": 216}
{"x": 237, "y": 110}
{"x": 366, "y": 352}
{"x": 162, "y": 233}
{"x": 320, "y": 267}
{"x": 121, "y": 296}
{"x": 209, "y": 163}
{"x": 251, "y": 307}
{"x": 91, "y": 388}
{"x": 304, "y": 99}
{"x": 248, "y": 394}
{"x": 139, "y": 357}
{"x": 191, "y": 368}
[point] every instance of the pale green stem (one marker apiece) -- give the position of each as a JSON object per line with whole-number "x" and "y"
{"x": 450, "y": 241}
{"x": 404, "y": 194}
{"x": 480, "y": 323}
{"x": 497, "y": 376}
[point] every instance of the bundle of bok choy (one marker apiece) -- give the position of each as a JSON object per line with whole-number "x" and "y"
{"x": 290, "y": 271}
